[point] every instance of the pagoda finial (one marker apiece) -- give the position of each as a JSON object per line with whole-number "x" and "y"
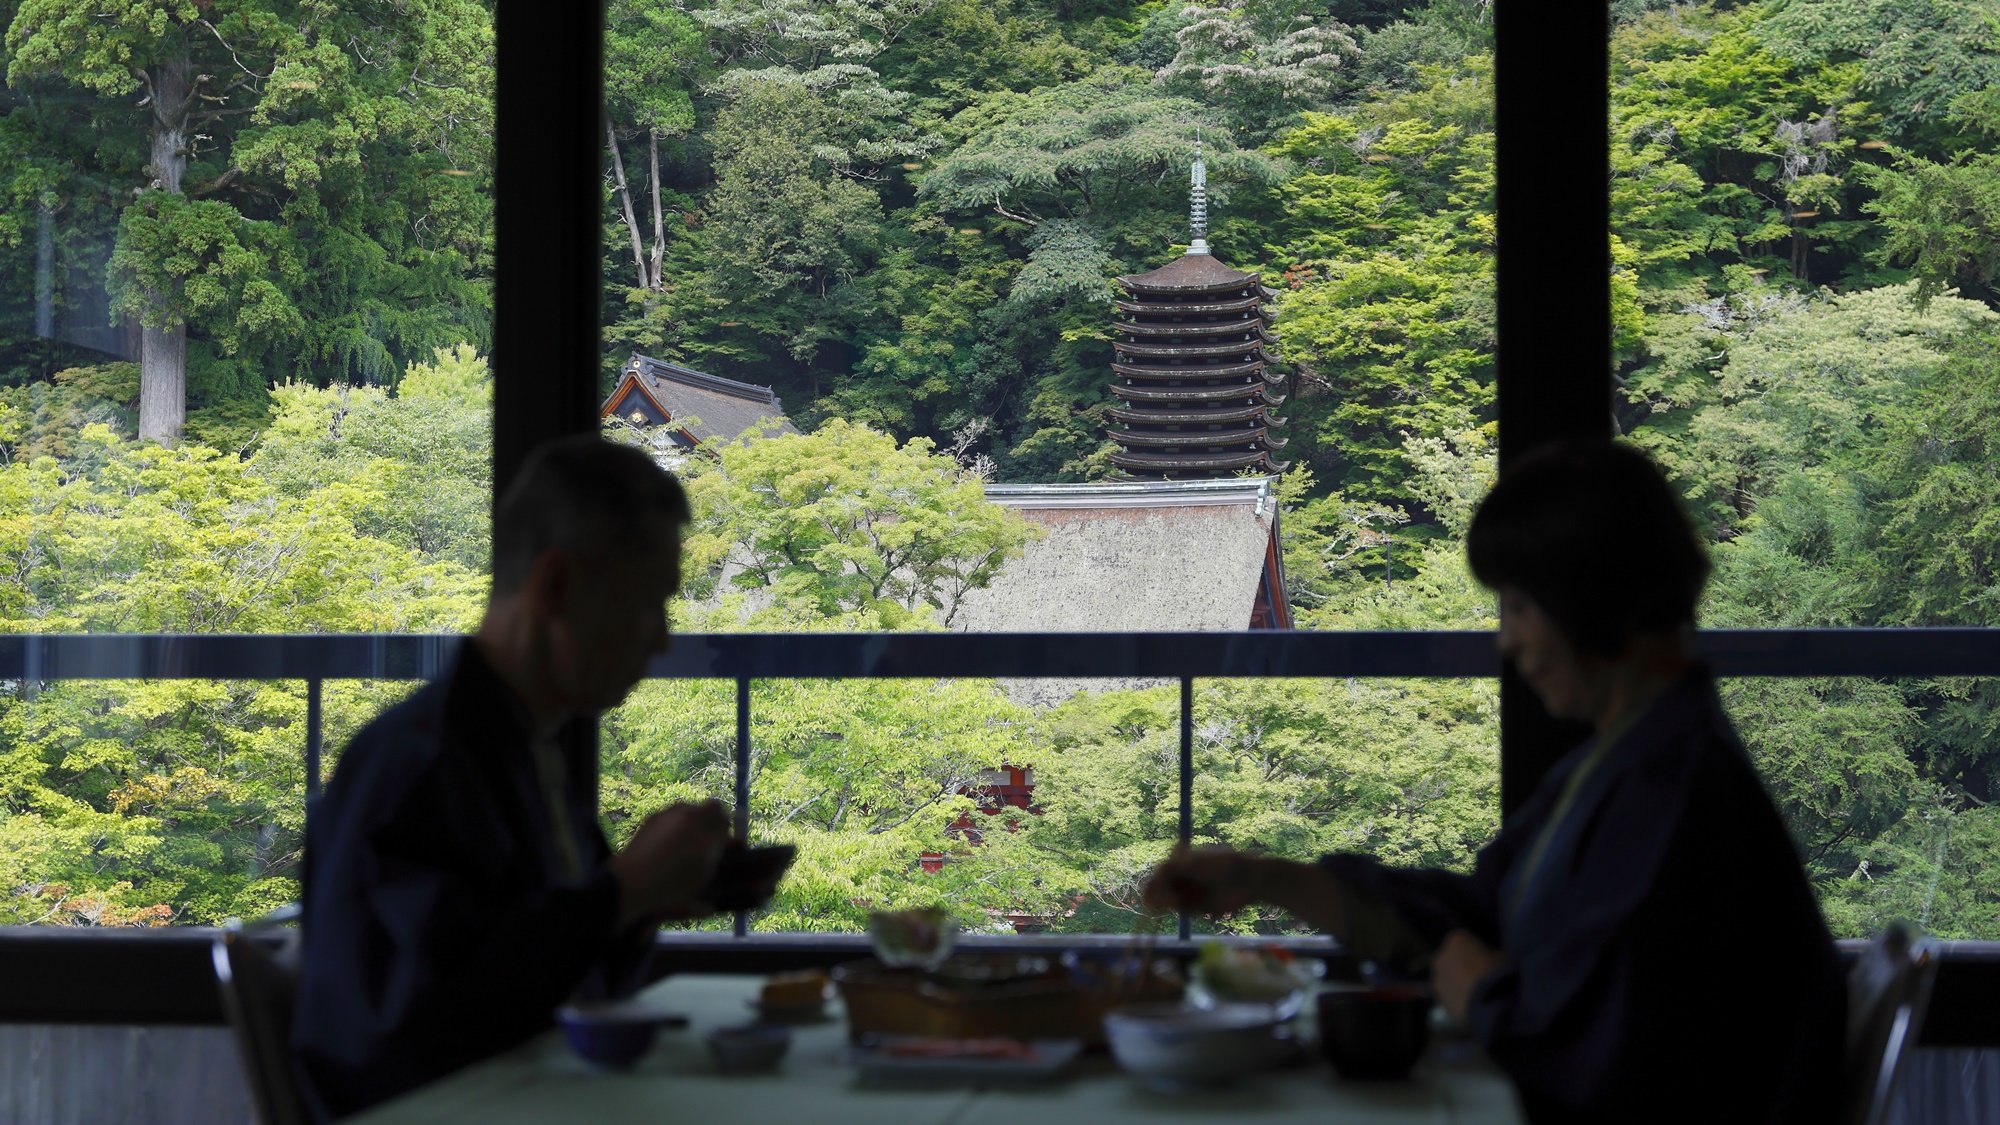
{"x": 1198, "y": 199}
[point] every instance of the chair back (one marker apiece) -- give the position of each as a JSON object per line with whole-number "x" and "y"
{"x": 1888, "y": 991}
{"x": 259, "y": 988}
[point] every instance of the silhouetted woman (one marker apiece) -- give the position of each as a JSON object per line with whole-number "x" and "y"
{"x": 1640, "y": 942}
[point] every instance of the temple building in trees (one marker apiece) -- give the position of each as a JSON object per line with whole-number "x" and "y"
{"x": 1196, "y": 394}
{"x": 695, "y": 406}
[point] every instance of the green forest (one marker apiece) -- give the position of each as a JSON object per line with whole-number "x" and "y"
{"x": 907, "y": 216}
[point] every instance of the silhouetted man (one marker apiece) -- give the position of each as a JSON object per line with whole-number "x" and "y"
{"x": 457, "y": 887}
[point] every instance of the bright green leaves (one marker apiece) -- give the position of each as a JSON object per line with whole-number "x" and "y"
{"x": 181, "y": 259}
{"x": 653, "y": 53}
{"x": 97, "y": 45}
{"x": 1260, "y": 61}
{"x": 1065, "y": 261}
{"x": 1941, "y": 218}
{"x": 844, "y": 527}
{"x": 1384, "y": 237}
{"x": 1093, "y": 149}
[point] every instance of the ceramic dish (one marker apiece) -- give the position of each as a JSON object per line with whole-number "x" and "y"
{"x": 902, "y": 1058}
{"x": 1172, "y": 1048}
{"x": 614, "y": 1034}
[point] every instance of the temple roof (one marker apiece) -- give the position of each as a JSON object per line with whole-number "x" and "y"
{"x": 722, "y": 409}
{"x": 1190, "y": 273}
{"x": 1181, "y": 556}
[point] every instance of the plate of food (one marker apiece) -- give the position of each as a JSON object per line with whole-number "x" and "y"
{"x": 912, "y": 938}
{"x": 793, "y": 997}
{"x": 888, "y": 1058}
{"x": 1247, "y": 974}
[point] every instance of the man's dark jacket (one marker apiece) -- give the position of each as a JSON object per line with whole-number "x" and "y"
{"x": 438, "y": 929}
{"x": 1667, "y": 960}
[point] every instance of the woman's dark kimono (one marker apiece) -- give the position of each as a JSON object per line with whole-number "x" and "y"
{"x": 1666, "y": 959}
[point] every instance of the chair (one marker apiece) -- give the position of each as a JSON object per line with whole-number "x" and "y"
{"x": 1888, "y": 991}
{"x": 259, "y": 986}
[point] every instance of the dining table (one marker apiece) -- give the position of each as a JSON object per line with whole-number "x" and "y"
{"x": 543, "y": 1081}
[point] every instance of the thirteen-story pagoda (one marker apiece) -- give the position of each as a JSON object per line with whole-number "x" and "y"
{"x": 1196, "y": 393}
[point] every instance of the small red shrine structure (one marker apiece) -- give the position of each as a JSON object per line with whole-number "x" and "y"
{"x": 993, "y": 792}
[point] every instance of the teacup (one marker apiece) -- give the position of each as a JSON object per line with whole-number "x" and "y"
{"x": 1374, "y": 1032}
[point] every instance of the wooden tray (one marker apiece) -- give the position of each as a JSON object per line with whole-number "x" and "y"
{"x": 1048, "y": 1004}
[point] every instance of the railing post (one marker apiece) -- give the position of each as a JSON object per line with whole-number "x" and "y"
{"x": 742, "y": 781}
{"x": 1187, "y": 778}
{"x": 313, "y": 690}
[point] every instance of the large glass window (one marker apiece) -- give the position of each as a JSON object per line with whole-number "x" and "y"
{"x": 1804, "y": 240}
{"x": 1022, "y": 317}
{"x": 245, "y": 294}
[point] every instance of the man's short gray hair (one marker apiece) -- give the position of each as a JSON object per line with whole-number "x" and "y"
{"x": 580, "y": 494}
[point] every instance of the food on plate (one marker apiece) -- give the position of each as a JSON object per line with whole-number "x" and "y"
{"x": 912, "y": 937}
{"x": 794, "y": 990}
{"x": 1266, "y": 974}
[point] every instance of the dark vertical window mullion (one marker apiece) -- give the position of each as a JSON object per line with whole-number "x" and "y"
{"x": 742, "y": 826}
{"x": 1186, "y": 833}
{"x": 1552, "y": 174}
{"x": 548, "y": 114}
{"x": 548, "y": 193}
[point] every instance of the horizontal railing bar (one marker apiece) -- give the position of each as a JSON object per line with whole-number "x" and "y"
{"x": 1459, "y": 655}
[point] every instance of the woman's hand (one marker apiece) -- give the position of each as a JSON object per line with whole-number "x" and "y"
{"x": 1216, "y": 879}
{"x": 1459, "y": 964}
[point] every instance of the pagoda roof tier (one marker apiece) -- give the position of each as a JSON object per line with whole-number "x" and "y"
{"x": 1196, "y": 462}
{"x": 1261, "y": 392}
{"x": 1239, "y": 347}
{"x": 1191, "y": 273}
{"x": 1179, "y": 308}
{"x": 1254, "y": 436}
{"x": 1157, "y": 417}
{"x": 1194, "y": 328}
{"x": 1211, "y": 372}
{"x": 1254, "y": 329}
{"x": 1191, "y": 373}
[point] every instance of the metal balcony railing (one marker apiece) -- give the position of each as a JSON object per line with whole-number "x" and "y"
{"x": 743, "y": 657}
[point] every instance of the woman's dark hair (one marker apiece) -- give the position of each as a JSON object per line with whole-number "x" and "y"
{"x": 1593, "y": 534}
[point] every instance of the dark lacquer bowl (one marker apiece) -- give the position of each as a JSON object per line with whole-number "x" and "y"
{"x": 1374, "y": 1033}
{"x": 612, "y": 1035}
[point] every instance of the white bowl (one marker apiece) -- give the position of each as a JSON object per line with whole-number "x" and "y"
{"x": 1174, "y": 1048}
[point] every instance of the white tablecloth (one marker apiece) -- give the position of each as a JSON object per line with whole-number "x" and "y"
{"x": 542, "y": 1082}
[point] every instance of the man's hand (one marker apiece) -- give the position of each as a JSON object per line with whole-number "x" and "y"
{"x": 1216, "y": 879}
{"x": 1459, "y": 964}
{"x": 669, "y": 861}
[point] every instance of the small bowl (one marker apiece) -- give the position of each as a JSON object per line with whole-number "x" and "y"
{"x": 1172, "y": 1048}
{"x": 750, "y": 1049}
{"x": 612, "y": 1035}
{"x": 1374, "y": 1033}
